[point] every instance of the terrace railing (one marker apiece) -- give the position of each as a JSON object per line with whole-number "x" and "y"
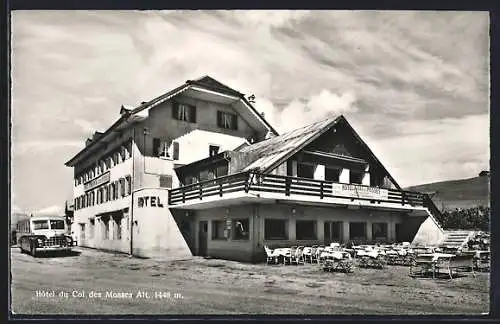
{"x": 289, "y": 187}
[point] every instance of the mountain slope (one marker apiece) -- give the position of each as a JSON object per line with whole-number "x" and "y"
{"x": 463, "y": 193}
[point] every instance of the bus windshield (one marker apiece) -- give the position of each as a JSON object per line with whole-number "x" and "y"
{"x": 40, "y": 224}
{"x": 56, "y": 224}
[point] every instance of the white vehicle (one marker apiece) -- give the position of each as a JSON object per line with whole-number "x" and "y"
{"x": 42, "y": 234}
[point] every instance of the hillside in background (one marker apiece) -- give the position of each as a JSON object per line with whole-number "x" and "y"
{"x": 464, "y": 193}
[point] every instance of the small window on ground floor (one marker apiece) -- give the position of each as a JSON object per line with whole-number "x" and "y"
{"x": 82, "y": 231}
{"x": 275, "y": 229}
{"x": 305, "y": 230}
{"x": 241, "y": 229}
{"x": 379, "y": 231}
{"x": 357, "y": 231}
{"x": 218, "y": 229}
{"x": 91, "y": 229}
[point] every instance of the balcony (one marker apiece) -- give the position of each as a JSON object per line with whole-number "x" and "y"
{"x": 254, "y": 187}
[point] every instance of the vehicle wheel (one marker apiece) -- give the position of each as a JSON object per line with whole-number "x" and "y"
{"x": 33, "y": 250}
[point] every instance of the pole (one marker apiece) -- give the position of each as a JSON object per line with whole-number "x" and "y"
{"x": 132, "y": 185}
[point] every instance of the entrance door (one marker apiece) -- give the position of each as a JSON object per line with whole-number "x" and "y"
{"x": 399, "y": 236}
{"x": 202, "y": 238}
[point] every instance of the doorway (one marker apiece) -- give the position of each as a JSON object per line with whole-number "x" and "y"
{"x": 202, "y": 238}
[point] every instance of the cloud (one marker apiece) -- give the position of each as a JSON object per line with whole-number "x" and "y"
{"x": 394, "y": 74}
{"x": 50, "y": 210}
{"x": 301, "y": 112}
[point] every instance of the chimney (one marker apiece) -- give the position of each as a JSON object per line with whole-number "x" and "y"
{"x": 262, "y": 114}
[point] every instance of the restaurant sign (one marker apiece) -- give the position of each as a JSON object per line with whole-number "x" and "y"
{"x": 96, "y": 182}
{"x": 356, "y": 191}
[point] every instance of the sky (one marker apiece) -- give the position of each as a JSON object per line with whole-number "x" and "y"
{"x": 414, "y": 85}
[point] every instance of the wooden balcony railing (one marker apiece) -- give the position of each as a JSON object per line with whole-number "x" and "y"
{"x": 291, "y": 186}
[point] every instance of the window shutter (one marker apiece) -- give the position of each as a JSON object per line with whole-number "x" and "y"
{"x": 156, "y": 146}
{"x": 235, "y": 122}
{"x": 192, "y": 114}
{"x": 219, "y": 118}
{"x": 175, "y": 110}
{"x": 166, "y": 181}
{"x": 176, "y": 150}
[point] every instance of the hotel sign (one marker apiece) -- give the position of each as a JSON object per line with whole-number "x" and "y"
{"x": 104, "y": 178}
{"x": 356, "y": 191}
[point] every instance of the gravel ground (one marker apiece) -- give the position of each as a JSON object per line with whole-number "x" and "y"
{"x": 95, "y": 282}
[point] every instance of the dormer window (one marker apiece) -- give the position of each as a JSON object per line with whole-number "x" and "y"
{"x": 227, "y": 120}
{"x": 184, "y": 112}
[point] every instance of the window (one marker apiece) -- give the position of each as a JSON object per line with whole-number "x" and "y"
{"x": 203, "y": 175}
{"x": 379, "y": 231}
{"x": 227, "y": 120}
{"x": 190, "y": 180}
{"x": 56, "y": 224}
{"x": 241, "y": 229}
{"x": 213, "y": 150}
{"x": 332, "y": 174}
{"x": 117, "y": 233}
{"x": 357, "y": 231}
{"x": 160, "y": 148}
{"x": 305, "y": 171}
{"x": 218, "y": 230}
{"x": 275, "y": 229}
{"x": 184, "y": 112}
{"x": 357, "y": 177}
{"x": 305, "y": 230}
{"x": 40, "y": 224}
{"x": 122, "y": 188}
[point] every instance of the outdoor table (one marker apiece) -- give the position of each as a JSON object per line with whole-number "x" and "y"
{"x": 432, "y": 260}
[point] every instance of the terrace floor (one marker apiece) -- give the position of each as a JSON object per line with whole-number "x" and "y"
{"x": 210, "y": 286}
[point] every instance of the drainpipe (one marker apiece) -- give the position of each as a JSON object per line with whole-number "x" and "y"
{"x": 131, "y": 253}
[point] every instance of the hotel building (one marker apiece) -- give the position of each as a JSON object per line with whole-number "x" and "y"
{"x": 198, "y": 171}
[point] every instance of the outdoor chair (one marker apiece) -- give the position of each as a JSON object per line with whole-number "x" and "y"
{"x": 290, "y": 255}
{"x": 319, "y": 251}
{"x": 271, "y": 257}
{"x": 462, "y": 263}
{"x": 313, "y": 253}
{"x": 297, "y": 256}
{"x": 422, "y": 265}
{"x": 307, "y": 252}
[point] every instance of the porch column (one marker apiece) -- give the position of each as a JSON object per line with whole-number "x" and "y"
{"x": 369, "y": 236}
{"x": 366, "y": 177}
{"x": 320, "y": 230}
{"x": 391, "y": 230}
{"x": 345, "y": 232}
{"x": 319, "y": 172}
{"x": 291, "y": 229}
{"x": 345, "y": 176}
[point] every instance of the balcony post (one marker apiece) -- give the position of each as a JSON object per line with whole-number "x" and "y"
{"x": 183, "y": 195}
{"x": 321, "y": 190}
{"x": 287, "y": 186}
{"x": 201, "y": 191}
{"x": 220, "y": 189}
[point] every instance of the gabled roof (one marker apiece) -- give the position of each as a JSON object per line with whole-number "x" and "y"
{"x": 210, "y": 83}
{"x": 203, "y": 82}
{"x": 276, "y": 150}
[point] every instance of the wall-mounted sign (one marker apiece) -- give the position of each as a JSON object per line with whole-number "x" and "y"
{"x": 149, "y": 201}
{"x": 356, "y": 191}
{"x": 104, "y": 178}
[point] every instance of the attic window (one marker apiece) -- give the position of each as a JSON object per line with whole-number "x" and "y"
{"x": 184, "y": 112}
{"x": 213, "y": 150}
{"x": 227, "y": 120}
